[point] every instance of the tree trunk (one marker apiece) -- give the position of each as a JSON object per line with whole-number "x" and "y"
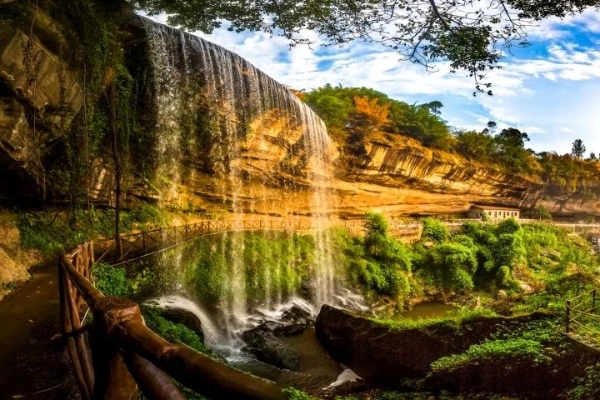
{"x": 117, "y": 165}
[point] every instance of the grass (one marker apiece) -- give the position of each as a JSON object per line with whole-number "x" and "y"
{"x": 420, "y": 323}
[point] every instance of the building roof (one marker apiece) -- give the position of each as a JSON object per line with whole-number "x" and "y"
{"x": 493, "y": 208}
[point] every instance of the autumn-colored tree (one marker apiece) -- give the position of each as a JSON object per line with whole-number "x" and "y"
{"x": 369, "y": 114}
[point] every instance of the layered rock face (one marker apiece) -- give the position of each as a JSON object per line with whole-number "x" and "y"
{"x": 40, "y": 94}
{"x": 221, "y": 136}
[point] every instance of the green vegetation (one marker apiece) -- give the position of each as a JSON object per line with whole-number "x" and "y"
{"x": 111, "y": 281}
{"x": 420, "y": 323}
{"x": 54, "y": 232}
{"x": 378, "y": 263}
{"x": 172, "y": 331}
{"x": 292, "y": 393}
{"x": 533, "y": 342}
{"x": 529, "y": 350}
{"x": 481, "y": 258}
{"x": 275, "y": 263}
{"x": 586, "y": 386}
{"x": 357, "y": 115}
{"x": 352, "y": 113}
{"x": 433, "y": 31}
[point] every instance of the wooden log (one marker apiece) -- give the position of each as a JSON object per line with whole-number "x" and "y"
{"x": 113, "y": 380}
{"x": 121, "y": 318}
{"x": 82, "y": 349}
{"x": 67, "y": 328}
{"x": 154, "y": 383}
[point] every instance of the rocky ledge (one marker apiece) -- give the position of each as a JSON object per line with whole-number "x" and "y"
{"x": 390, "y": 356}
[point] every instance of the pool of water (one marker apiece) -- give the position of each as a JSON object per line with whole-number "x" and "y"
{"x": 431, "y": 309}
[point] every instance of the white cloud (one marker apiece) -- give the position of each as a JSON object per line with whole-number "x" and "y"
{"x": 554, "y": 98}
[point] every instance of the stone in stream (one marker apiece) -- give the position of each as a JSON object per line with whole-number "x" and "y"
{"x": 267, "y": 347}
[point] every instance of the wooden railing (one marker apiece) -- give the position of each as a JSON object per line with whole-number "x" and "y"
{"x": 113, "y": 352}
{"x": 582, "y": 320}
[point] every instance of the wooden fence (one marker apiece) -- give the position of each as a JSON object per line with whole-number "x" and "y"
{"x": 582, "y": 319}
{"x": 113, "y": 352}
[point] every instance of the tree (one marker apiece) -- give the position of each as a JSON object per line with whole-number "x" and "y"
{"x": 471, "y": 35}
{"x": 434, "y": 107}
{"x": 491, "y": 128}
{"x": 369, "y": 114}
{"x": 450, "y": 267}
{"x": 578, "y": 148}
{"x": 593, "y": 156}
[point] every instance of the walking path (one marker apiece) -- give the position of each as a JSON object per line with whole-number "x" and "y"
{"x": 32, "y": 366}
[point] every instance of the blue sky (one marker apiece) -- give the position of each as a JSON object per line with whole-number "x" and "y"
{"x": 551, "y": 89}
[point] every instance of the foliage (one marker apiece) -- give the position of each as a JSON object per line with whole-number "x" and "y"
{"x": 450, "y": 267}
{"x": 369, "y": 114}
{"x": 352, "y": 113}
{"x": 53, "y": 233}
{"x": 111, "y": 281}
{"x": 587, "y": 385}
{"x": 525, "y": 349}
{"x": 422, "y": 323}
{"x": 171, "y": 331}
{"x": 498, "y": 248}
{"x": 386, "y": 262}
{"x": 273, "y": 262}
{"x": 524, "y": 341}
{"x": 421, "y": 32}
{"x": 578, "y": 149}
{"x": 292, "y": 393}
{"x": 566, "y": 171}
{"x": 435, "y": 230}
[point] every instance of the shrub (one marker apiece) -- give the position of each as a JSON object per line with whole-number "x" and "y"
{"x": 111, "y": 281}
{"x": 434, "y": 230}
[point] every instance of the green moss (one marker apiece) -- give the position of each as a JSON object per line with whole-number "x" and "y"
{"x": 454, "y": 322}
{"x": 531, "y": 351}
{"x": 171, "y": 331}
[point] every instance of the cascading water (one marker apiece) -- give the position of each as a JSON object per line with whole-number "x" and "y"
{"x": 216, "y": 111}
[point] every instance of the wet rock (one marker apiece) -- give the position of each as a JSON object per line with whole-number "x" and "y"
{"x": 294, "y": 321}
{"x": 297, "y": 313}
{"x": 262, "y": 342}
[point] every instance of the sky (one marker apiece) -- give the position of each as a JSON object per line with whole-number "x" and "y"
{"x": 550, "y": 89}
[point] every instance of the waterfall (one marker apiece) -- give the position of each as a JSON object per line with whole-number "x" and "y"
{"x": 217, "y": 113}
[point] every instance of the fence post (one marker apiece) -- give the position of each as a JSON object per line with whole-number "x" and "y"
{"x": 568, "y": 316}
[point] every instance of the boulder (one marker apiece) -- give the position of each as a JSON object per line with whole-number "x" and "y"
{"x": 262, "y": 342}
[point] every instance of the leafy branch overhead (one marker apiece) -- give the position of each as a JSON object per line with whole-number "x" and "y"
{"x": 472, "y": 35}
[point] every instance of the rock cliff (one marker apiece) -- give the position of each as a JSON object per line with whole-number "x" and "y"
{"x": 43, "y": 98}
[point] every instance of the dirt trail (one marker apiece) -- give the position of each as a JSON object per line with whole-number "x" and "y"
{"x": 31, "y": 365}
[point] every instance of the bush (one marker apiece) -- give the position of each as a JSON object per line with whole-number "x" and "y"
{"x": 434, "y": 230}
{"x": 111, "y": 280}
